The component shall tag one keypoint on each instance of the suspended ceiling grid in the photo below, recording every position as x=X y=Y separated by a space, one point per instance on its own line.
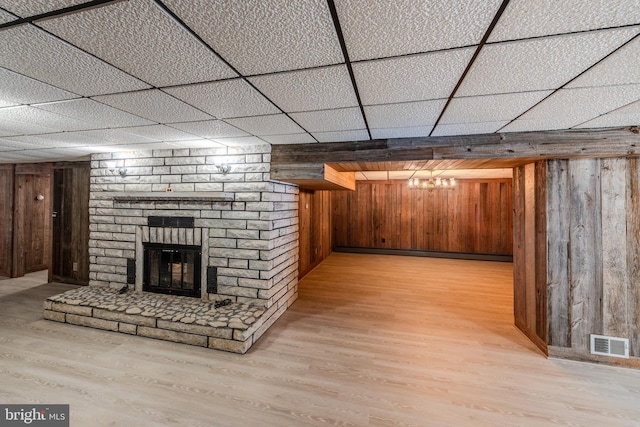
x=85 y=77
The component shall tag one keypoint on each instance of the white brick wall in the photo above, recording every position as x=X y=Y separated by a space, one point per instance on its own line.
x=252 y=239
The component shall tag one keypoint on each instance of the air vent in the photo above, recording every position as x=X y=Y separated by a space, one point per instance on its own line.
x=610 y=346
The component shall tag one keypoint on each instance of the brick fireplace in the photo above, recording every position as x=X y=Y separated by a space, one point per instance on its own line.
x=220 y=203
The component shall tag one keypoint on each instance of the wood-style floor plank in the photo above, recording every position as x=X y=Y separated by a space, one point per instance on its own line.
x=371 y=341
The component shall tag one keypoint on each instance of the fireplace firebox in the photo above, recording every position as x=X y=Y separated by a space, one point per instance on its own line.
x=172 y=269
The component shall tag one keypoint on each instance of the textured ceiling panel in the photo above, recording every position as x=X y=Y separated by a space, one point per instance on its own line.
x=112 y=136
x=382 y=28
x=29 y=51
x=534 y=18
x=539 y=64
x=298 y=138
x=232 y=98
x=341 y=136
x=266 y=36
x=6 y=17
x=413 y=78
x=468 y=128
x=408 y=132
x=628 y=115
x=317 y=89
x=198 y=143
x=209 y=129
x=489 y=108
x=60 y=139
x=159 y=133
x=276 y=124
x=240 y=141
x=94 y=113
x=138 y=37
x=330 y=120
x=408 y=114
x=570 y=107
x=154 y=105
x=622 y=67
x=29 y=120
x=36 y=7
x=17 y=89
x=12 y=144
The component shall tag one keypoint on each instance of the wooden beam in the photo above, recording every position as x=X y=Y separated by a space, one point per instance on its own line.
x=314 y=176
x=574 y=143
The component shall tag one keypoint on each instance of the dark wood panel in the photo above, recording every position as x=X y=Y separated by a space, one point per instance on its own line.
x=473 y=218
x=314 y=229
x=6 y=225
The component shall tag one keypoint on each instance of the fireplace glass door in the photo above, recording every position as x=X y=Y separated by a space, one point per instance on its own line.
x=172 y=269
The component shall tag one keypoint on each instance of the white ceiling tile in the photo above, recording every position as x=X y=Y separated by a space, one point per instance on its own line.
x=225 y=99
x=154 y=105
x=16 y=144
x=375 y=175
x=113 y=136
x=534 y=18
x=628 y=115
x=147 y=146
x=317 y=89
x=406 y=132
x=266 y=36
x=29 y=120
x=360 y=176
x=341 y=136
x=160 y=133
x=330 y=120
x=468 y=128
x=36 y=7
x=381 y=28
x=409 y=114
x=94 y=113
x=491 y=108
x=141 y=39
x=17 y=89
x=54 y=140
x=209 y=129
x=275 y=124
x=400 y=174
x=240 y=141
x=570 y=107
x=198 y=143
x=622 y=67
x=539 y=64
x=298 y=138
x=34 y=53
x=6 y=17
x=411 y=78
x=16 y=157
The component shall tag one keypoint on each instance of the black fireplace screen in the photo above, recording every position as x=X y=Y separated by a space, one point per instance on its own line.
x=172 y=269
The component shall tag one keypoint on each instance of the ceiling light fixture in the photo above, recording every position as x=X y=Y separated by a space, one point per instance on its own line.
x=432 y=183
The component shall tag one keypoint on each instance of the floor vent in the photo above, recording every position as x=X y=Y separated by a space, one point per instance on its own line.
x=610 y=346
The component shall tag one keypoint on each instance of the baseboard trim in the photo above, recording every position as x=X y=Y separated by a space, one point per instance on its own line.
x=429 y=254
x=583 y=356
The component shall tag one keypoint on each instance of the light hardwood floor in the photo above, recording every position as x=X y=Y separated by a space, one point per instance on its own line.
x=372 y=341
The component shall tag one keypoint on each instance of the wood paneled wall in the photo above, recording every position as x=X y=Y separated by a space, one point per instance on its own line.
x=314 y=229
x=476 y=217
x=70 y=259
x=593 y=223
x=6 y=224
x=530 y=252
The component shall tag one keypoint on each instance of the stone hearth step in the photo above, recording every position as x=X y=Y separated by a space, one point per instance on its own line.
x=167 y=317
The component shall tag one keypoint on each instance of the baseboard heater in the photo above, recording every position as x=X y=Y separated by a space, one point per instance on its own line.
x=610 y=346
x=430 y=254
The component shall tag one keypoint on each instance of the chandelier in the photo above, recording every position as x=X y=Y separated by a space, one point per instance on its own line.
x=432 y=183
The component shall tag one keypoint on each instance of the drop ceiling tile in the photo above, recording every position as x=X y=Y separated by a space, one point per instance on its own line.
x=411 y=26
x=159 y=133
x=113 y=136
x=342 y=136
x=54 y=140
x=617 y=69
x=34 y=53
x=225 y=99
x=534 y=18
x=240 y=141
x=306 y=90
x=154 y=105
x=17 y=89
x=360 y=176
x=36 y=7
x=628 y=115
x=539 y=64
x=490 y=108
x=266 y=36
x=411 y=78
x=276 y=124
x=15 y=144
x=297 y=138
x=94 y=113
x=147 y=146
x=30 y=120
x=468 y=128
x=400 y=174
x=409 y=114
x=16 y=157
x=209 y=129
x=406 y=132
x=141 y=39
x=375 y=175
x=330 y=120
x=198 y=143
x=6 y=17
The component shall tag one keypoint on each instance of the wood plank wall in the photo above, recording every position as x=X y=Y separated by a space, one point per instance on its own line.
x=315 y=242
x=593 y=226
x=530 y=252
x=476 y=217
x=70 y=259
x=6 y=224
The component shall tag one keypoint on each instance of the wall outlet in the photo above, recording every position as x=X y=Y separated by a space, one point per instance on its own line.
x=74 y=267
